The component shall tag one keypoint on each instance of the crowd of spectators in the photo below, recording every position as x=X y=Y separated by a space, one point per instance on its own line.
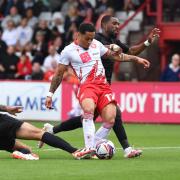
x=172 y=71
x=34 y=32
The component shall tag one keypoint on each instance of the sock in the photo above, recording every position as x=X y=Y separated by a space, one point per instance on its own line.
x=119 y=130
x=57 y=142
x=68 y=125
x=102 y=133
x=89 y=130
x=24 y=150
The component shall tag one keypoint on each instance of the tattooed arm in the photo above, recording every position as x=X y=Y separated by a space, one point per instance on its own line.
x=125 y=57
x=56 y=81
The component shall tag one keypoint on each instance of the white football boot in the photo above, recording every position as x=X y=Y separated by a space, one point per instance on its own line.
x=85 y=153
x=131 y=152
x=19 y=155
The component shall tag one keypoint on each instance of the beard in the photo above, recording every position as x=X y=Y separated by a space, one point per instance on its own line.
x=112 y=34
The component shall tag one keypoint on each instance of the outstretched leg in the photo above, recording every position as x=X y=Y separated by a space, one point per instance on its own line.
x=30 y=132
x=76 y=122
x=70 y=124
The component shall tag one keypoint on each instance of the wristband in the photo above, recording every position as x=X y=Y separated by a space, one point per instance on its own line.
x=50 y=94
x=147 y=43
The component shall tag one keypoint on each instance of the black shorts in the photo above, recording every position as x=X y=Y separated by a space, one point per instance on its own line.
x=8 y=128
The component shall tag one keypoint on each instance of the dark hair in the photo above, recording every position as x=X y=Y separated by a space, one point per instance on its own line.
x=86 y=27
x=105 y=19
x=23 y=53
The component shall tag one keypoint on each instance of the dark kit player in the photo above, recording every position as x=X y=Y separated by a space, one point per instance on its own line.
x=12 y=129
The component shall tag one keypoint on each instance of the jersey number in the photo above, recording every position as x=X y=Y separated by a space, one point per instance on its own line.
x=110 y=97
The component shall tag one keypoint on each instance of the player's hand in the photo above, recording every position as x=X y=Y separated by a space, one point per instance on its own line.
x=144 y=62
x=14 y=109
x=155 y=33
x=48 y=102
x=115 y=49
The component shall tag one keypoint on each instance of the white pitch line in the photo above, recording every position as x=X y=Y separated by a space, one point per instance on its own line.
x=143 y=148
x=157 y=148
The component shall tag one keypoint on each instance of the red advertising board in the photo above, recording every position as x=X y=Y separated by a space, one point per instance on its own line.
x=139 y=102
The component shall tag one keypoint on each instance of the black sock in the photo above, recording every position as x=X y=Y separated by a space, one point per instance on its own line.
x=24 y=150
x=119 y=130
x=68 y=125
x=57 y=142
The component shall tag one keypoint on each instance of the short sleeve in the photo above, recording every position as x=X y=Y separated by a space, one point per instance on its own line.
x=103 y=49
x=64 y=57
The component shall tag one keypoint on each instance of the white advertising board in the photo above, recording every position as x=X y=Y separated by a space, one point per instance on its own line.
x=31 y=95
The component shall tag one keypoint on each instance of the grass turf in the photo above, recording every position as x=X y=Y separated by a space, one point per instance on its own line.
x=160 y=159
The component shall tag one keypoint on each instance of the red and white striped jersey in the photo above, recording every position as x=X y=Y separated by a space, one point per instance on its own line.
x=86 y=64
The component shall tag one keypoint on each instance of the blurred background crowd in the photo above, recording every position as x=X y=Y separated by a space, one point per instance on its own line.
x=34 y=32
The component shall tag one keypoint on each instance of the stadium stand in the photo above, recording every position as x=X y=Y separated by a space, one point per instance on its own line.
x=52 y=20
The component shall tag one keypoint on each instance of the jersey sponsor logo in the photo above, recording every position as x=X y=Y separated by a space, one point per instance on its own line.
x=85 y=57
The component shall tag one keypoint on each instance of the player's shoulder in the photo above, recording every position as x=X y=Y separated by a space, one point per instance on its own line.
x=69 y=48
x=95 y=41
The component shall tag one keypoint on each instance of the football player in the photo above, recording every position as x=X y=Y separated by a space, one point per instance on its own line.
x=12 y=129
x=110 y=30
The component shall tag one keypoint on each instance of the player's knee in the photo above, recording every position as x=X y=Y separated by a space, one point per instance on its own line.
x=88 y=106
x=110 y=119
x=109 y=124
x=88 y=110
x=88 y=115
x=40 y=134
x=37 y=134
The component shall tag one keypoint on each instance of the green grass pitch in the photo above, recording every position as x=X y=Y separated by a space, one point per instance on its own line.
x=160 y=159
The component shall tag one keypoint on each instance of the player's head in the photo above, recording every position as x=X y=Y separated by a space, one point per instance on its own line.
x=110 y=25
x=86 y=33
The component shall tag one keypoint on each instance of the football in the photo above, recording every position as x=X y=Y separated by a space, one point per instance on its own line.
x=105 y=149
